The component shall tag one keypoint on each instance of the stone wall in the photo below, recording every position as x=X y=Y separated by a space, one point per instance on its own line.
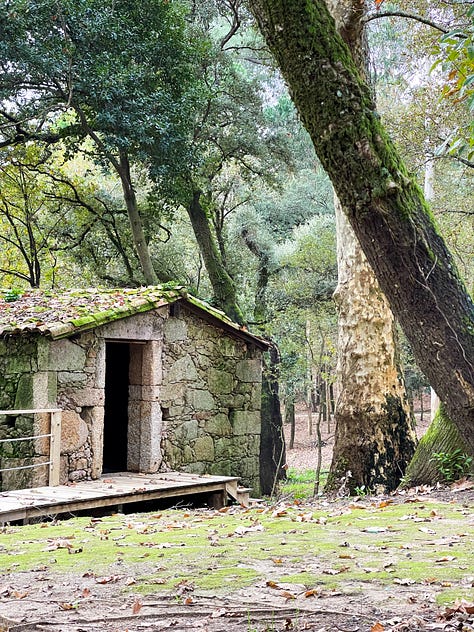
x=39 y=373
x=18 y=378
x=210 y=398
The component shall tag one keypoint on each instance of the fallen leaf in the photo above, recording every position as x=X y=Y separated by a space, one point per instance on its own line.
x=110 y=579
x=375 y=529
x=377 y=627
x=58 y=543
x=272 y=584
x=137 y=606
x=288 y=595
x=462 y=485
x=446 y=558
x=426 y=530
x=68 y=606
x=461 y=607
x=188 y=601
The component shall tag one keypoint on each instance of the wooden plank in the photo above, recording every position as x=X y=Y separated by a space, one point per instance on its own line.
x=115 y=490
x=31 y=411
x=55 y=448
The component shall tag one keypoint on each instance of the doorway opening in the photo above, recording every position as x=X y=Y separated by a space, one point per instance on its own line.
x=117 y=388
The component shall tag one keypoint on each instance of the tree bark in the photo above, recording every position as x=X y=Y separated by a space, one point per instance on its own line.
x=374 y=437
x=290 y=419
x=441 y=436
x=272 y=441
x=272 y=438
x=383 y=203
x=222 y=284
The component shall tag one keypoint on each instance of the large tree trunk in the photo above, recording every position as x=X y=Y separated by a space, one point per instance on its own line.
x=374 y=431
x=384 y=204
x=374 y=435
x=222 y=284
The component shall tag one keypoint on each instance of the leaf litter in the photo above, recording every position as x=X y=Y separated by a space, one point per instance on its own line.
x=351 y=566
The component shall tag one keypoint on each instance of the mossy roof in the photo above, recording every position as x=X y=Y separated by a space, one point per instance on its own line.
x=63 y=313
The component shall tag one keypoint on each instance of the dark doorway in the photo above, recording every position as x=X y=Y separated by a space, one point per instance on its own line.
x=117 y=366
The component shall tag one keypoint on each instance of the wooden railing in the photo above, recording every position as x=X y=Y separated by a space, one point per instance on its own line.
x=54 y=436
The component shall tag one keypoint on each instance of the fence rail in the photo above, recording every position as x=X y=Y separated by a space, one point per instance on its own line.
x=54 y=436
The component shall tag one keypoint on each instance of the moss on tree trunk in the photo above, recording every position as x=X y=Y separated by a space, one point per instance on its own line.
x=384 y=204
x=441 y=436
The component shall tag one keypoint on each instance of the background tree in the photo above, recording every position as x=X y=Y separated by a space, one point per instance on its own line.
x=78 y=79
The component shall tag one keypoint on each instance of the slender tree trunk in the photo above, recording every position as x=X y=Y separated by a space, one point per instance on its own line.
x=428 y=189
x=136 y=223
x=272 y=440
x=384 y=204
x=222 y=284
x=290 y=419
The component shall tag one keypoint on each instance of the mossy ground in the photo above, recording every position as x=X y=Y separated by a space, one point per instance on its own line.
x=422 y=543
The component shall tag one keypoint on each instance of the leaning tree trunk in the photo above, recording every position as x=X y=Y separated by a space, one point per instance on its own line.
x=384 y=204
x=374 y=431
x=222 y=284
x=374 y=438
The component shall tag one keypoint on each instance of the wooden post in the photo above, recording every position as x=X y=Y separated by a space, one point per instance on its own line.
x=55 y=448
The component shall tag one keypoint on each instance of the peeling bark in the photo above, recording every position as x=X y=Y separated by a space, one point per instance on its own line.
x=374 y=438
x=374 y=441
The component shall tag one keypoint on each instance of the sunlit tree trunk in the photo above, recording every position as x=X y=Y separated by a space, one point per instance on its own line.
x=374 y=437
x=374 y=432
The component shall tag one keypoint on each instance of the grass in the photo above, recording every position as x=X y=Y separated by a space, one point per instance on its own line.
x=299 y=484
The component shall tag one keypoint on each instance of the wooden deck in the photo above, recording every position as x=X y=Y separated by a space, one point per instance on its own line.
x=114 y=490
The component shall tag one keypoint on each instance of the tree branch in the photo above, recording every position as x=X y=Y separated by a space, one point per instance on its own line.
x=408 y=16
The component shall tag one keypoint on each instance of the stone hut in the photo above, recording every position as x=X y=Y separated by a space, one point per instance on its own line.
x=148 y=379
